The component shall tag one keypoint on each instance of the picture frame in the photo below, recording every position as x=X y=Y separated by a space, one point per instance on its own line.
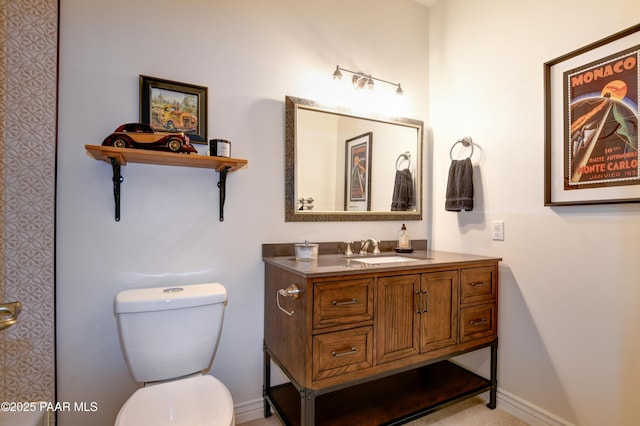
x=591 y=123
x=173 y=106
x=357 y=194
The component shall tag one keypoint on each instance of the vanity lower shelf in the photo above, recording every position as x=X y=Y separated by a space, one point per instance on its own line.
x=392 y=400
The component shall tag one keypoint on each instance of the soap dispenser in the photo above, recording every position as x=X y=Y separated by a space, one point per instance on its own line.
x=404 y=242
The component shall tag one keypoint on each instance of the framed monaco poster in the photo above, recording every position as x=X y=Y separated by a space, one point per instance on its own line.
x=591 y=123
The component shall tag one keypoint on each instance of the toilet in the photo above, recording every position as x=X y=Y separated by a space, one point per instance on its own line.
x=169 y=337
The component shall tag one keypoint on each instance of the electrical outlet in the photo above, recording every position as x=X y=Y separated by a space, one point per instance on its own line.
x=497 y=231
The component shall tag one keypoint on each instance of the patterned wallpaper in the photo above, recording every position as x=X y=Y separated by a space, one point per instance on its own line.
x=28 y=78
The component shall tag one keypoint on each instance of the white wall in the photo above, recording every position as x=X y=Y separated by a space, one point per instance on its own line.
x=317 y=179
x=570 y=279
x=250 y=54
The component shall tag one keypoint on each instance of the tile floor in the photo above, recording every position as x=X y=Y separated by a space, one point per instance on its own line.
x=472 y=412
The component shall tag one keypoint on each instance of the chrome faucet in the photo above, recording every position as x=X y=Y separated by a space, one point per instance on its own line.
x=364 y=245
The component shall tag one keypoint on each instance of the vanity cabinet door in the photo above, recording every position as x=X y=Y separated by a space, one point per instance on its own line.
x=438 y=310
x=397 y=317
x=416 y=313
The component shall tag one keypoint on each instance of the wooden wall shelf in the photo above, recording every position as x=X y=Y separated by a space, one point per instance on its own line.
x=130 y=155
x=121 y=156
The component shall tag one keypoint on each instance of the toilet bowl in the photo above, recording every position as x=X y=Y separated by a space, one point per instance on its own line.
x=169 y=336
x=200 y=400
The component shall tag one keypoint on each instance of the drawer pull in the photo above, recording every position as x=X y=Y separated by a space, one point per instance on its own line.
x=426 y=301
x=351 y=352
x=481 y=321
x=478 y=283
x=348 y=302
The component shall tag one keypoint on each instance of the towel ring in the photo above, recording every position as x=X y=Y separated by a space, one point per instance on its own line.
x=466 y=142
x=401 y=157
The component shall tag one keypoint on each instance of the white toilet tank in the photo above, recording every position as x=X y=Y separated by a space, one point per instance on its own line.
x=169 y=332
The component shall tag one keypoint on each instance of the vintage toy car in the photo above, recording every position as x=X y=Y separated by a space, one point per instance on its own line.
x=141 y=135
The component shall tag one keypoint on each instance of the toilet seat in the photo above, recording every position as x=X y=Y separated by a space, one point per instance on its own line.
x=195 y=401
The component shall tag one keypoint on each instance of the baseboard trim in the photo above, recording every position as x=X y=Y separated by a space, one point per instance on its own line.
x=249 y=410
x=530 y=413
x=512 y=404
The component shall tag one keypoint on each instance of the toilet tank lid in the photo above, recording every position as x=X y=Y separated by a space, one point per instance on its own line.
x=167 y=298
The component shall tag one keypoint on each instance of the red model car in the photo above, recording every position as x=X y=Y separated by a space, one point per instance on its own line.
x=141 y=135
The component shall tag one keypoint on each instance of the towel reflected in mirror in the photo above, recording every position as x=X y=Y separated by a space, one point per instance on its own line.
x=403 y=192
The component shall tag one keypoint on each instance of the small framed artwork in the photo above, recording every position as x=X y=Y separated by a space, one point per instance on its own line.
x=357 y=195
x=591 y=123
x=175 y=107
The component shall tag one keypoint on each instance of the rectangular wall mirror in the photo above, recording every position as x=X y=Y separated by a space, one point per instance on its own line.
x=344 y=166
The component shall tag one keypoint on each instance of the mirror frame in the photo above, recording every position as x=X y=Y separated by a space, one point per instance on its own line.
x=292 y=214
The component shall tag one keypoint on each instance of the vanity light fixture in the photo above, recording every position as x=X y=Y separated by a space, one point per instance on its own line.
x=361 y=80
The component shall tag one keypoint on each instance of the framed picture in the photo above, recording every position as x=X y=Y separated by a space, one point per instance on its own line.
x=171 y=106
x=591 y=123
x=357 y=196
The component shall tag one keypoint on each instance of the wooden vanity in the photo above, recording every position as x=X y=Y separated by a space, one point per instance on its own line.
x=368 y=344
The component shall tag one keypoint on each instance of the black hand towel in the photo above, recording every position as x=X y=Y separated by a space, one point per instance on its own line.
x=460 y=186
x=403 y=196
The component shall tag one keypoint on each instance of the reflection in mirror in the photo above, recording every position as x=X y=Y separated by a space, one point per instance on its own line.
x=342 y=166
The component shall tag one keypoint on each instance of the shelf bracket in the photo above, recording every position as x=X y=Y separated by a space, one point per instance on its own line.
x=222 y=185
x=117 y=180
x=121 y=156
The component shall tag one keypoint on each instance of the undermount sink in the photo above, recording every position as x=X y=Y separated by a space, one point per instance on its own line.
x=384 y=259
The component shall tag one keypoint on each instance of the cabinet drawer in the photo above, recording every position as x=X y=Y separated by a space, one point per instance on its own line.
x=342 y=302
x=477 y=322
x=478 y=284
x=342 y=352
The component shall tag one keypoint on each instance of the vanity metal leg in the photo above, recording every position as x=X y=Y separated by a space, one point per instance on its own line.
x=266 y=382
x=494 y=375
x=308 y=407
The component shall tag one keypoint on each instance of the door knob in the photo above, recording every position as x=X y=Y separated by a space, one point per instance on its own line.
x=9 y=314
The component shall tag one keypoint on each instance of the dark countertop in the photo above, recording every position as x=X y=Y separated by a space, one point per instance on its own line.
x=338 y=264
